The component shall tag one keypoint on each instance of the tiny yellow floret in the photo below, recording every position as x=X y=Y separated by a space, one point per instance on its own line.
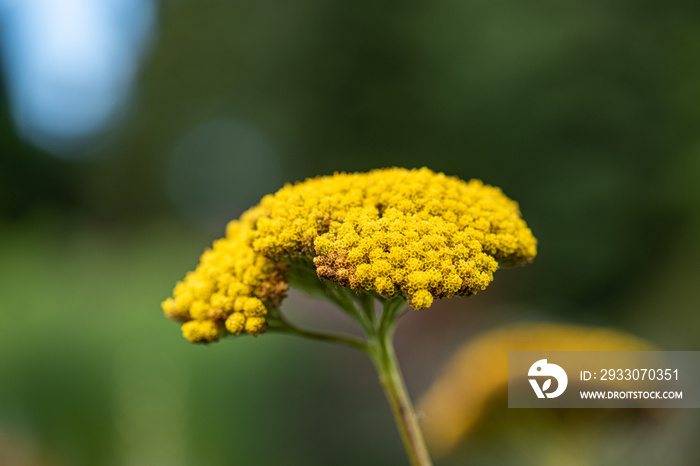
x=201 y=331
x=255 y=325
x=235 y=323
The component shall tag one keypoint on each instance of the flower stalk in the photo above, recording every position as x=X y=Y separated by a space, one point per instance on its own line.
x=283 y=326
x=379 y=347
x=384 y=358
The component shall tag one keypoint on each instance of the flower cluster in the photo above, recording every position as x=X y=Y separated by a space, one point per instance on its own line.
x=232 y=288
x=417 y=233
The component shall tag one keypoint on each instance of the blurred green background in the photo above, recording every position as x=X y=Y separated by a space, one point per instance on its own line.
x=585 y=112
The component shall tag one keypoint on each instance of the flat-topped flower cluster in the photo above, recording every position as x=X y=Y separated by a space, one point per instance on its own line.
x=416 y=233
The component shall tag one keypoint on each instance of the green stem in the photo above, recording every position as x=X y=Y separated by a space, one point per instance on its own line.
x=284 y=326
x=381 y=350
x=384 y=358
x=390 y=309
x=345 y=299
x=366 y=302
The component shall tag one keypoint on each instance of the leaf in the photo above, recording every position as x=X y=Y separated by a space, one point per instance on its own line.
x=546 y=385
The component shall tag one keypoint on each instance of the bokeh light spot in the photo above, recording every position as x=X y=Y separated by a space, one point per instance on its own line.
x=218 y=170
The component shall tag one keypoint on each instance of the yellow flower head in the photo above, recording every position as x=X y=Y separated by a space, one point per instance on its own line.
x=416 y=233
